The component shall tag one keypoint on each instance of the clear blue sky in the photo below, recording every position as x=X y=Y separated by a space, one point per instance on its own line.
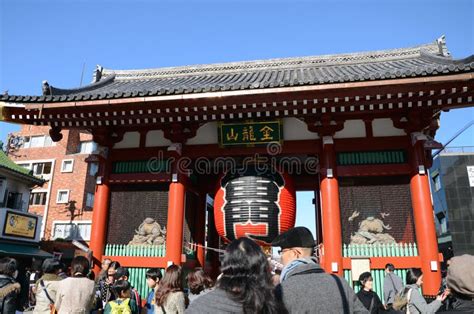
x=51 y=40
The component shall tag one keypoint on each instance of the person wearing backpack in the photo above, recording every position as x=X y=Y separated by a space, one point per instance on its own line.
x=122 y=304
x=415 y=302
x=392 y=284
x=122 y=273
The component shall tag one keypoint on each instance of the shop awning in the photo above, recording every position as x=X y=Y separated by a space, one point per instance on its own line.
x=13 y=250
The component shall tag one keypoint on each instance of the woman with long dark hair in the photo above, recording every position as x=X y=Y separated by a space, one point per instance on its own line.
x=169 y=297
x=416 y=301
x=245 y=285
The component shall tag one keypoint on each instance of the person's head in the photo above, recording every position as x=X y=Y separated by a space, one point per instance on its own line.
x=366 y=281
x=121 y=274
x=198 y=281
x=153 y=277
x=295 y=243
x=105 y=264
x=8 y=267
x=246 y=277
x=112 y=270
x=62 y=268
x=414 y=276
x=172 y=281
x=121 y=289
x=460 y=277
x=51 y=266
x=79 y=266
x=389 y=268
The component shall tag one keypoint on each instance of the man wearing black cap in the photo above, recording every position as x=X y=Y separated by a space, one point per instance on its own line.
x=304 y=286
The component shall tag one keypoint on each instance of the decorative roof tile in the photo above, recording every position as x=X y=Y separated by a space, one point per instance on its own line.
x=8 y=164
x=430 y=59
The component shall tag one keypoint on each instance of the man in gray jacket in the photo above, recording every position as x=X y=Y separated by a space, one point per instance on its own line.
x=304 y=286
x=392 y=284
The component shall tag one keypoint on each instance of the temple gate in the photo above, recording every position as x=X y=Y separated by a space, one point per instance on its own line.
x=360 y=127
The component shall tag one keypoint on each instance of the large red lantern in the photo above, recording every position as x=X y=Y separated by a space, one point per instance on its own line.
x=254 y=203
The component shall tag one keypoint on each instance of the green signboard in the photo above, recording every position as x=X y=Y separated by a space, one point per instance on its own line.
x=250 y=133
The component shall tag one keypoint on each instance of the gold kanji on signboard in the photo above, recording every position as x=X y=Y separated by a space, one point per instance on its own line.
x=266 y=130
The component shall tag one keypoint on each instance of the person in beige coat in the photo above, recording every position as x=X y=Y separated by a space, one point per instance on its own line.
x=46 y=286
x=76 y=294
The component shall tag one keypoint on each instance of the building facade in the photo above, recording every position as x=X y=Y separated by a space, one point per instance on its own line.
x=19 y=229
x=66 y=199
x=452 y=187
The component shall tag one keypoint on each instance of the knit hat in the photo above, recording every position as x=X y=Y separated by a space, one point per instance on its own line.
x=295 y=237
x=460 y=276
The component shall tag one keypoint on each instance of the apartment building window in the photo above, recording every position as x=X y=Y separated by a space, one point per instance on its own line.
x=67 y=165
x=93 y=168
x=14 y=200
x=76 y=230
x=42 y=168
x=436 y=182
x=87 y=147
x=89 y=200
x=37 y=141
x=63 y=197
x=38 y=198
x=26 y=166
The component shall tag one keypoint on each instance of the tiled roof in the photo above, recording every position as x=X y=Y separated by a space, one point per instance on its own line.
x=425 y=60
x=7 y=163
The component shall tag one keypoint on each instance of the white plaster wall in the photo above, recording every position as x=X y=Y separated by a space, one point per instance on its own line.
x=130 y=140
x=17 y=186
x=206 y=134
x=384 y=127
x=352 y=129
x=295 y=129
x=156 y=138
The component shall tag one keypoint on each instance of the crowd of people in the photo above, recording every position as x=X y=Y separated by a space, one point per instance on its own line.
x=246 y=285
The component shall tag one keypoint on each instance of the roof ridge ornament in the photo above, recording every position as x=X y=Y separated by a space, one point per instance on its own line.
x=443 y=49
x=97 y=73
x=46 y=88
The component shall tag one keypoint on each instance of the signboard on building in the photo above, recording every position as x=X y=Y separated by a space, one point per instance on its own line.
x=470 y=175
x=250 y=133
x=20 y=226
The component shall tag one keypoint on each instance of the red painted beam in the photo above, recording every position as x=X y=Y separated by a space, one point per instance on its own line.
x=398 y=261
x=140 y=261
x=380 y=262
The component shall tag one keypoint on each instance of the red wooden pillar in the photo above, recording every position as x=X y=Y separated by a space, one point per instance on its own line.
x=201 y=229
x=330 y=211
x=174 y=233
x=424 y=220
x=100 y=215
